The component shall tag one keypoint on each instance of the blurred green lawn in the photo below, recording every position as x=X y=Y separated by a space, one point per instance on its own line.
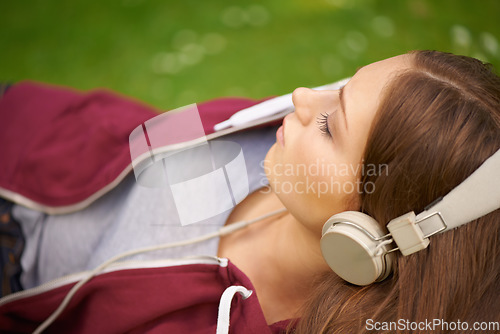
x=170 y=53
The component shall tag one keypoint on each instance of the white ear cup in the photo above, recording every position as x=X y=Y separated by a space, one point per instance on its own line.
x=350 y=248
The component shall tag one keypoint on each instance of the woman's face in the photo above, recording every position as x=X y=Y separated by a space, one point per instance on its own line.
x=316 y=164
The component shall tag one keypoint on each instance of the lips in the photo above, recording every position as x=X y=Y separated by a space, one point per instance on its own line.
x=280 y=133
x=280 y=138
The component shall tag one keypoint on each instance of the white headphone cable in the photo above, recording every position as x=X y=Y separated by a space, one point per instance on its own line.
x=225 y=230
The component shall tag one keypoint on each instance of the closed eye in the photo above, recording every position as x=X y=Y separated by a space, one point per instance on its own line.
x=322 y=121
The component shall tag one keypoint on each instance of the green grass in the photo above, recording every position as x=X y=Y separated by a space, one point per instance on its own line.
x=170 y=53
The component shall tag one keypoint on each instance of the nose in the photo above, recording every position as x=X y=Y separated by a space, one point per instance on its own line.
x=309 y=103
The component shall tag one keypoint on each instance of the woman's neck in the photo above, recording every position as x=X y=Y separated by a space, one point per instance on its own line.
x=281 y=257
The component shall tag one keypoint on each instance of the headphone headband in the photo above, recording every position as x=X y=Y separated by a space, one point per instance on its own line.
x=475 y=197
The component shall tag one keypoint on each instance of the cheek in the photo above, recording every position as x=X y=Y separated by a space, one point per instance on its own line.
x=311 y=183
x=311 y=193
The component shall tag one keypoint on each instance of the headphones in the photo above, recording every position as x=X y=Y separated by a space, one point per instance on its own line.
x=357 y=249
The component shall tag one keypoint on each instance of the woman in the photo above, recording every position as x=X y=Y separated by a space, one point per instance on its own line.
x=431 y=119
x=437 y=121
x=400 y=134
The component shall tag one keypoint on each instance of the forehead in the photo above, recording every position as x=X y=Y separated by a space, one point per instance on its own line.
x=381 y=71
x=362 y=96
x=367 y=84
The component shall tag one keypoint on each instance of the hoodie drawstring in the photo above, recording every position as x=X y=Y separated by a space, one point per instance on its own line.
x=225 y=306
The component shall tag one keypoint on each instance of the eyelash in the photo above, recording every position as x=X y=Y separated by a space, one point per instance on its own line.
x=322 y=121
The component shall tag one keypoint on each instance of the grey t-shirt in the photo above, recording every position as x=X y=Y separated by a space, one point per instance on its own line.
x=128 y=217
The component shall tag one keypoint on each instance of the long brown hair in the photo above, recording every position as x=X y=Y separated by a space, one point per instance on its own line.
x=437 y=123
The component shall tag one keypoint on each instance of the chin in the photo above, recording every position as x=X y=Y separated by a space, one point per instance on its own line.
x=269 y=162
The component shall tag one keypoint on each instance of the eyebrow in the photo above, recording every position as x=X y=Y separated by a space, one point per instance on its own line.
x=342 y=105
